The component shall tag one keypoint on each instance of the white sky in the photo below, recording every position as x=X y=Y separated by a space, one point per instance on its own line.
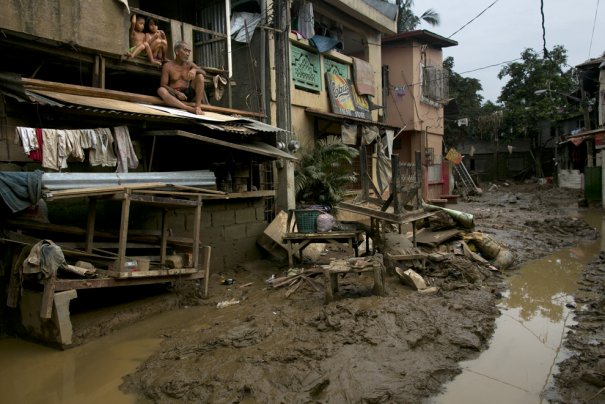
x=502 y=32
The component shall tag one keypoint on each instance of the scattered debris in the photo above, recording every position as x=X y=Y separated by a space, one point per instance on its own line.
x=226 y=303
x=411 y=278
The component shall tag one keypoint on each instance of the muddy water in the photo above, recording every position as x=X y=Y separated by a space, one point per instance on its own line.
x=522 y=356
x=92 y=373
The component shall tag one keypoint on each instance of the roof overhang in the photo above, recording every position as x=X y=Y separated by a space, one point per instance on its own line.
x=342 y=118
x=422 y=36
x=255 y=147
x=378 y=18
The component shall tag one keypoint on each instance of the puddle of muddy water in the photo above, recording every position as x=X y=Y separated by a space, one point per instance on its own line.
x=523 y=353
x=91 y=373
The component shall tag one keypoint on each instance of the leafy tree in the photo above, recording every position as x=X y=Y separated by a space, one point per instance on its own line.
x=408 y=21
x=537 y=91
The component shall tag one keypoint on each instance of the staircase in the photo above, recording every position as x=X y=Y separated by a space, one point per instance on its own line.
x=465 y=180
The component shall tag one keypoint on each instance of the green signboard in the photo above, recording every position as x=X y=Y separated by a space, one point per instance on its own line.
x=306 y=70
x=330 y=66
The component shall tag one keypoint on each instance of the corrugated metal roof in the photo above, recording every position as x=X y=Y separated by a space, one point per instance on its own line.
x=211 y=120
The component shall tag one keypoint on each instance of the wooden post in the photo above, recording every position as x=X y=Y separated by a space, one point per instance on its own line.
x=419 y=179
x=395 y=183
x=124 y=230
x=196 y=231
x=363 y=163
x=379 y=281
x=206 y=251
x=90 y=223
x=164 y=237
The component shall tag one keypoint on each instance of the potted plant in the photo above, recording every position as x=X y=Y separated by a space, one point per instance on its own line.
x=322 y=176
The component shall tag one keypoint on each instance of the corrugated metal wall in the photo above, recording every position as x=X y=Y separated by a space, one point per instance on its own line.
x=211 y=50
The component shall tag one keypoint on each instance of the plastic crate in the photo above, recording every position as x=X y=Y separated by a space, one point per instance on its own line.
x=306 y=220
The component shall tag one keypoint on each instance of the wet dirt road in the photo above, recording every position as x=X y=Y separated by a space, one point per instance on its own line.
x=536 y=312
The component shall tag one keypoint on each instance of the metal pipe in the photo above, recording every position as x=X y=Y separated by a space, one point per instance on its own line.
x=59 y=181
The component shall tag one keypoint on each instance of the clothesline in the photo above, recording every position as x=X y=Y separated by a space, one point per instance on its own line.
x=52 y=147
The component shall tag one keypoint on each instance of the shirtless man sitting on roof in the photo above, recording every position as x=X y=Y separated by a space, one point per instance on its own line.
x=182 y=81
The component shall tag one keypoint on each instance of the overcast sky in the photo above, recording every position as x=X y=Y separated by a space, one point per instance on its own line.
x=507 y=28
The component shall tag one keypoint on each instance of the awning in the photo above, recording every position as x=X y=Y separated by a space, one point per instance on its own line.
x=256 y=147
x=578 y=138
x=342 y=118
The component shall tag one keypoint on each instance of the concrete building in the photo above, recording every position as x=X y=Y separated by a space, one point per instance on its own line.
x=415 y=91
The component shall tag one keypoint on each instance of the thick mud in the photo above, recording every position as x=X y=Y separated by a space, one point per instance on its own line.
x=581 y=377
x=360 y=348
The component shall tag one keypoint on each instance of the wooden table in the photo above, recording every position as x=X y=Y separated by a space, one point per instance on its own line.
x=369 y=264
x=297 y=242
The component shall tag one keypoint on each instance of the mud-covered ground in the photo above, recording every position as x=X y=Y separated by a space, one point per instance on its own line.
x=581 y=377
x=361 y=348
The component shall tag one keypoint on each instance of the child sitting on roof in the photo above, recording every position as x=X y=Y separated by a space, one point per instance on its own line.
x=156 y=38
x=138 y=40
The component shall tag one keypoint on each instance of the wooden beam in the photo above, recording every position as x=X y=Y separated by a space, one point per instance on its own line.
x=35 y=84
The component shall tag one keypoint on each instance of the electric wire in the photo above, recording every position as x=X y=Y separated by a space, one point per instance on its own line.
x=594 y=24
x=473 y=19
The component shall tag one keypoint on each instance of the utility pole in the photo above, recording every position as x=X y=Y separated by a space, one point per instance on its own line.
x=285 y=172
x=589 y=142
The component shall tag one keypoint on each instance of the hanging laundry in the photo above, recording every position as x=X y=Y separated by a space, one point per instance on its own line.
x=349 y=133
x=88 y=138
x=36 y=155
x=306 y=20
x=28 y=139
x=73 y=144
x=50 y=156
x=62 y=152
x=102 y=154
x=126 y=155
x=369 y=134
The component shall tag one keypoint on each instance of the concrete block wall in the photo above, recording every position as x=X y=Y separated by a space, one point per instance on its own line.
x=231 y=228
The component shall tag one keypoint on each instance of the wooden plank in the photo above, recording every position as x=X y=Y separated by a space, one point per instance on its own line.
x=67 y=284
x=162 y=201
x=195 y=189
x=107 y=189
x=150 y=273
x=434 y=238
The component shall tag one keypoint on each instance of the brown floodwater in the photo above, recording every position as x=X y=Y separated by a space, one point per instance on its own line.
x=91 y=373
x=519 y=364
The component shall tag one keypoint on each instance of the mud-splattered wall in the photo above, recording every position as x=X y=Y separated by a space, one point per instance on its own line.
x=98 y=25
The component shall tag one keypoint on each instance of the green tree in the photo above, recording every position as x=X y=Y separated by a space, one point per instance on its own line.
x=465 y=106
x=537 y=91
x=408 y=21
